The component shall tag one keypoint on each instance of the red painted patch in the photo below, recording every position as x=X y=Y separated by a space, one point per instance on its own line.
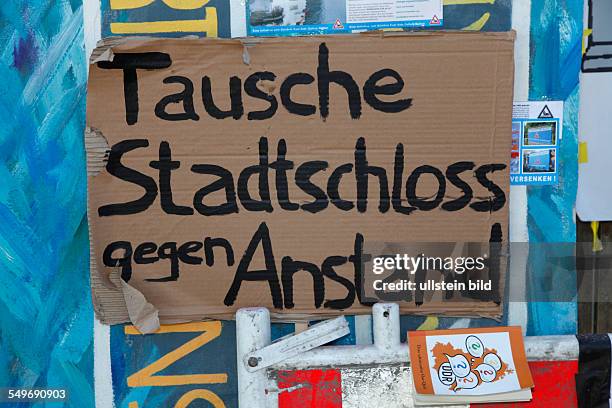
x=320 y=389
x=555 y=386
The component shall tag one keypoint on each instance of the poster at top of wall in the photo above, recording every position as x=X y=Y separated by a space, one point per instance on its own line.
x=299 y=17
x=228 y=18
x=256 y=178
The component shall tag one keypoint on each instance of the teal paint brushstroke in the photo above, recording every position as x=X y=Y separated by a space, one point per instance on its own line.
x=46 y=318
x=556 y=38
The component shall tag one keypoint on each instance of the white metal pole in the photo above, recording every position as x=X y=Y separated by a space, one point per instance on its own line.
x=386 y=326
x=252 y=333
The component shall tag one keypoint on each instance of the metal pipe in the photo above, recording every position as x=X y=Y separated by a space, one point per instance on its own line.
x=386 y=326
x=537 y=348
x=252 y=333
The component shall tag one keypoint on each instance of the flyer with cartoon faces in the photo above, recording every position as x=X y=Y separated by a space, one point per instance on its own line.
x=469 y=361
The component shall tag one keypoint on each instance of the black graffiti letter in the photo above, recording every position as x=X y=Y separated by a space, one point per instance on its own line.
x=325 y=77
x=285 y=92
x=370 y=90
x=237 y=109
x=499 y=199
x=411 y=186
x=185 y=96
x=362 y=170
x=165 y=165
x=251 y=89
x=122 y=172
x=129 y=63
x=269 y=274
x=289 y=268
x=452 y=174
x=225 y=182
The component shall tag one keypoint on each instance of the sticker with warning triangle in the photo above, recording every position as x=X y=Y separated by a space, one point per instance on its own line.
x=545 y=113
x=537 y=133
x=341 y=17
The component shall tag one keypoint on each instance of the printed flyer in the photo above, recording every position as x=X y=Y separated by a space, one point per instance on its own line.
x=302 y=17
x=471 y=362
x=537 y=131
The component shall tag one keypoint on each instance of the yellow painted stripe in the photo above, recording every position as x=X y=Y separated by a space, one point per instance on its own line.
x=146 y=377
x=175 y=4
x=174 y=328
x=186 y=4
x=583 y=153
x=585 y=35
x=205 y=395
x=478 y=24
x=597 y=246
x=431 y=323
x=129 y=4
x=174 y=380
x=207 y=25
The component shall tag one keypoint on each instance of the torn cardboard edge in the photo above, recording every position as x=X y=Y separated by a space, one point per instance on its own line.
x=130 y=305
x=104 y=47
x=97 y=149
x=143 y=315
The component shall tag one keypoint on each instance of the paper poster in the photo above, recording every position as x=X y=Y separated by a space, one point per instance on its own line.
x=537 y=130
x=299 y=17
x=595 y=122
x=223 y=18
x=469 y=361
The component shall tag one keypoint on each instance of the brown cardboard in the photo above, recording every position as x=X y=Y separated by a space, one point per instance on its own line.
x=460 y=86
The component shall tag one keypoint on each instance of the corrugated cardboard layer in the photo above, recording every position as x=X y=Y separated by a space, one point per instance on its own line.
x=460 y=85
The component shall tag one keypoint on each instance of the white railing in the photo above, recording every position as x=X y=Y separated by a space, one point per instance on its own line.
x=257 y=390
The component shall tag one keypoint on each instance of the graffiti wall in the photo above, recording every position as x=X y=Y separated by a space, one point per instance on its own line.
x=45 y=308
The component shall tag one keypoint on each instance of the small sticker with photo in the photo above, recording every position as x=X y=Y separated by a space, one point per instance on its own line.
x=540 y=134
x=539 y=160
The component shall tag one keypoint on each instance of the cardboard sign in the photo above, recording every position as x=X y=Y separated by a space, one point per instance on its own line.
x=224 y=174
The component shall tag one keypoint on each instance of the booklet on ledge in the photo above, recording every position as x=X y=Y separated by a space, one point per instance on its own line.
x=469 y=365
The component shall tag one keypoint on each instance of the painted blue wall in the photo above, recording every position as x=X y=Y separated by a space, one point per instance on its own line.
x=45 y=307
x=556 y=43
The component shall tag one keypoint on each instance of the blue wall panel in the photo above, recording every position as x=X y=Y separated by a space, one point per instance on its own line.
x=45 y=307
